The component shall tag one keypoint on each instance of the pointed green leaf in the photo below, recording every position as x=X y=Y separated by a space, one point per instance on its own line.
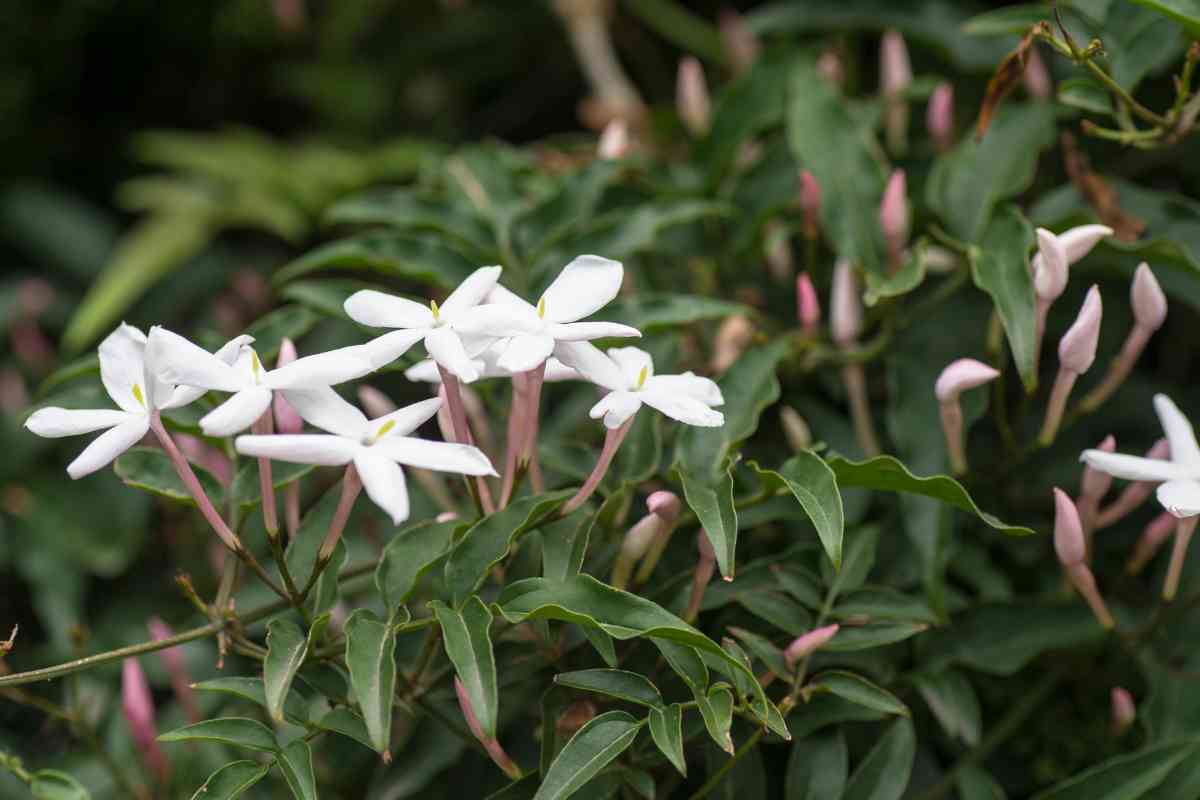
x=1185 y=12
x=344 y=721
x=469 y=646
x=232 y=780
x=253 y=690
x=247 y=489
x=716 y=709
x=817 y=768
x=999 y=266
x=666 y=728
x=237 y=731
x=711 y=498
x=858 y=689
x=884 y=773
x=618 y=683
x=1126 y=777
x=53 y=784
x=953 y=702
x=371 y=657
x=864 y=637
x=408 y=556
x=815 y=487
x=295 y=762
x=590 y=750
x=418 y=257
x=904 y=280
x=286 y=650
x=564 y=545
x=150 y=469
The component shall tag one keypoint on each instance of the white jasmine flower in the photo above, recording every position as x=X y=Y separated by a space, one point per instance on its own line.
x=427 y=371
x=129 y=377
x=438 y=326
x=179 y=361
x=376 y=447
x=1179 y=491
x=529 y=335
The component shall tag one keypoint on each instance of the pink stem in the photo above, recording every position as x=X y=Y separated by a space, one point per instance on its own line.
x=1128 y=501
x=265 y=426
x=534 y=380
x=462 y=431
x=1085 y=583
x=700 y=580
x=952 y=426
x=860 y=409
x=291 y=508
x=1183 y=537
x=1057 y=405
x=351 y=486
x=612 y=440
x=1040 y=309
x=1118 y=370
x=516 y=436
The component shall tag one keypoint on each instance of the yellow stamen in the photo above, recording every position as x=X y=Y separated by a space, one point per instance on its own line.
x=379 y=434
x=542 y=308
x=137 y=393
x=255 y=364
x=642 y=377
x=433 y=306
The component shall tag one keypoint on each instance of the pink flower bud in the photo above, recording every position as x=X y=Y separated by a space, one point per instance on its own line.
x=638 y=538
x=1077 y=349
x=691 y=96
x=614 y=140
x=808 y=644
x=960 y=375
x=172 y=659
x=740 y=43
x=1050 y=268
x=810 y=202
x=939 y=116
x=1095 y=484
x=808 y=307
x=137 y=704
x=1147 y=298
x=446 y=516
x=1154 y=535
x=733 y=337
x=1068 y=531
x=845 y=305
x=1123 y=710
x=895 y=70
x=1036 y=78
x=375 y=402
x=286 y=418
x=35 y=296
x=893 y=210
x=1080 y=240
x=664 y=504
x=795 y=429
x=830 y=67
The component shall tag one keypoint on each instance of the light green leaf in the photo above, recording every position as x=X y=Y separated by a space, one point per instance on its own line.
x=1185 y=12
x=287 y=648
x=371 y=657
x=232 y=780
x=53 y=784
x=884 y=773
x=295 y=762
x=150 y=469
x=1017 y=19
x=469 y=646
x=404 y=210
x=999 y=267
x=815 y=487
x=247 y=489
x=651 y=312
x=817 y=768
x=408 y=556
x=711 y=498
x=592 y=748
x=252 y=689
x=271 y=329
x=617 y=683
x=952 y=700
x=421 y=258
x=858 y=689
x=666 y=728
x=237 y=731
x=1126 y=777
x=908 y=277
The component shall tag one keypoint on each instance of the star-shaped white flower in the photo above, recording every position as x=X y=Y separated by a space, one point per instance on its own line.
x=438 y=326
x=488 y=366
x=529 y=335
x=126 y=369
x=179 y=361
x=1179 y=491
x=629 y=375
x=376 y=447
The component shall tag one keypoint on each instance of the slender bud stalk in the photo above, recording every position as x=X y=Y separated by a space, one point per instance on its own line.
x=534 y=380
x=351 y=486
x=462 y=432
x=860 y=409
x=1153 y=537
x=516 y=436
x=1184 y=529
x=612 y=441
x=1150 y=310
x=264 y=426
x=705 y=567
x=810 y=204
x=1076 y=353
x=1084 y=581
x=1123 y=710
x=1136 y=493
x=956 y=378
x=138 y=707
x=1071 y=549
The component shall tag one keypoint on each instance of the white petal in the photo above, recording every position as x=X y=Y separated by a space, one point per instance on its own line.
x=55 y=422
x=471 y=291
x=384 y=482
x=586 y=331
x=683 y=408
x=703 y=389
x=108 y=445
x=499 y=319
x=425 y=372
x=1079 y=241
x=379 y=310
x=1181 y=498
x=632 y=360
x=122 y=364
x=1133 y=468
x=300 y=448
x=178 y=361
x=237 y=413
x=1179 y=432
x=326 y=409
x=322 y=369
x=499 y=294
x=616 y=408
x=408 y=419
x=523 y=353
x=476 y=344
x=447 y=350
x=558 y=371
x=592 y=364
x=441 y=456
x=585 y=286
x=385 y=349
x=179 y=396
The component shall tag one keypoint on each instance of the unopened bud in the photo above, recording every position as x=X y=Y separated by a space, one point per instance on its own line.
x=1123 y=710
x=286 y=418
x=664 y=504
x=172 y=659
x=1036 y=77
x=810 y=203
x=635 y=544
x=1095 y=483
x=777 y=249
x=961 y=375
x=733 y=337
x=1080 y=240
x=830 y=68
x=939 y=117
x=1154 y=535
x=1050 y=267
x=808 y=307
x=941 y=260
x=845 y=305
x=740 y=43
x=895 y=70
x=374 y=402
x=614 y=141
x=691 y=97
x=1147 y=298
x=446 y=516
x=1068 y=531
x=795 y=429
x=1077 y=349
x=35 y=296
x=893 y=211
x=809 y=643
x=137 y=704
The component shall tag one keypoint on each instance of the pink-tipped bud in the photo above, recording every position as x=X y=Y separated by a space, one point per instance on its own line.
x=740 y=43
x=172 y=659
x=893 y=210
x=375 y=402
x=895 y=70
x=1123 y=710
x=614 y=140
x=638 y=538
x=808 y=644
x=1080 y=240
x=733 y=337
x=808 y=307
x=286 y=418
x=1050 y=267
x=845 y=305
x=1147 y=298
x=1160 y=450
x=939 y=116
x=137 y=704
x=446 y=516
x=1036 y=77
x=795 y=429
x=961 y=375
x=1068 y=531
x=810 y=202
x=831 y=68
x=1077 y=348
x=665 y=505
x=691 y=96
x=1095 y=484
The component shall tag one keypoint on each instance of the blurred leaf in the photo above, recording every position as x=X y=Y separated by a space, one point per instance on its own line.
x=564 y=546
x=817 y=768
x=908 y=277
x=763 y=650
x=748 y=105
x=666 y=728
x=827 y=709
x=999 y=267
x=711 y=498
x=246 y=487
x=1138 y=41
x=952 y=700
x=1085 y=94
x=590 y=750
x=254 y=691
x=1185 y=12
x=371 y=657
x=295 y=762
x=656 y=311
x=569 y=207
x=858 y=689
x=618 y=683
x=777 y=609
x=884 y=773
x=53 y=784
x=815 y=487
x=880 y=603
x=641 y=451
x=421 y=258
x=344 y=721
x=57 y=228
x=232 y=780
x=150 y=469
x=1125 y=777
x=405 y=209
x=287 y=647
x=851 y=638
x=408 y=556
x=270 y=329
x=236 y=731
x=469 y=646
x=325 y=296
x=1015 y=19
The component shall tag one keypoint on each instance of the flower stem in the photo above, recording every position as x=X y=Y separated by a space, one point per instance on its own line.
x=516 y=436
x=860 y=410
x=351 y=486
x=1118 y=370
x=533 y=383
x=952 y=426
x=265 y=426
x=1058 y=403
x=462 y=431
x=612 y=440
x=1183 y=537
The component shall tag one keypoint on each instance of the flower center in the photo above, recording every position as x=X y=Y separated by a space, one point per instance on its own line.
x=137 y=394
x=642 y=377
x=255 y=364
x=437 y=314
x=379 y=434
x=542 y=308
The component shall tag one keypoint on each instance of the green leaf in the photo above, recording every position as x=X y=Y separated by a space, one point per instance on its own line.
x=711 y=498
x=884 y=773
x=879 y=604
x=716 y=709
x=618 y=683
x=817 y=768
x=325 y=296
x=53 y=784
x=1126 y=777
x=344 y=721
x=253 y=690
x=237 y=731
x=746 y=106
x=966 y=184
x=590 y=750
x=909 y=276
x=641 y=451
x=999 y=267
x=827 y=709
x=246 y=487
x=884 y=473
x=651 y=312
x=778 y=609
x=858 y=563
x=408 y=556
x=563 y=212
x=858 y=689
x=864 y=637
x=488 y=541
x=1017 y=19
x=469 y=646
x=371 y=657
x=287 y=647
x=564 y=546
x=974 y=783
x=271 y=329
x=295 y=762
x=1185 y=12
x=952 y=700
x=1085 y=94
x=762 y=649
x=815 y=487
x=666 y=728
x=421 y=258
x=150 y=469
x=232 y=780
x=843 y=156
x=403 y=209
